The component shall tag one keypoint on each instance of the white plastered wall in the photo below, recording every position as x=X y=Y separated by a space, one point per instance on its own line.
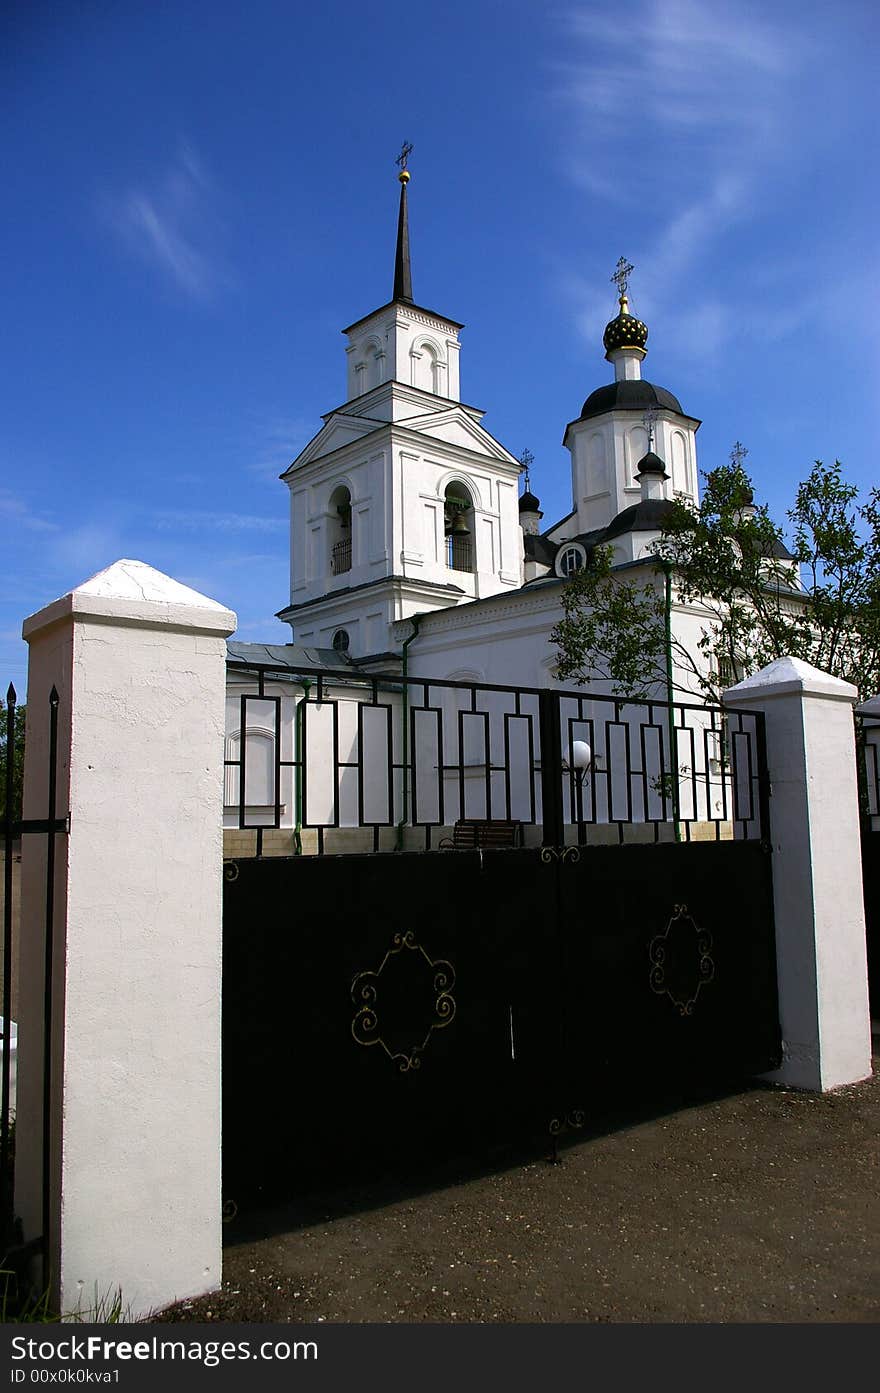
x=817 y=872
x=605 y=451
x=139 y=663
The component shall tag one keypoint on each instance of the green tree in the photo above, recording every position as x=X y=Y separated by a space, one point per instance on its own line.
x=612 y=629
x=727 y=559
x=17 y=763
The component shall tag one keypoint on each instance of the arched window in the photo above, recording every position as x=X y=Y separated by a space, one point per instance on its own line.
x=571 y=558
x=425 y=365
x=681 y=474
x=339 y=531
x=259 y=769
x=375 y=361
x=458 y=527
x=637 y=447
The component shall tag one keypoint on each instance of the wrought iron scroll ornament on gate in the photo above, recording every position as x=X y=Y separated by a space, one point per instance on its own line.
x=681 y=960
x=405 y=974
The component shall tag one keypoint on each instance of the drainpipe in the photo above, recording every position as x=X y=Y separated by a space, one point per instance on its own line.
x=298 y=717
x=415 y=620
x=670 y=713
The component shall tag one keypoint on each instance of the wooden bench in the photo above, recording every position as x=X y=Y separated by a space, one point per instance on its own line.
x=472 y=834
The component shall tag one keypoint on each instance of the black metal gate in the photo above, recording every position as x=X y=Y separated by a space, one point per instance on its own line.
x=868 y=748
x=381 y=1010
x=13 y=826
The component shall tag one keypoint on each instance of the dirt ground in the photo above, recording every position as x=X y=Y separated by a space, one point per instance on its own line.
x=762 y=1205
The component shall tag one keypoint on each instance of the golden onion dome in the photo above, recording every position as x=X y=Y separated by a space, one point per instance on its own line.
x=625 y=331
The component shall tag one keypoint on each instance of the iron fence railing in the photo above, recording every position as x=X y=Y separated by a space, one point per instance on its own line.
x=14 y=826
x=868 y=754
x=459 y=553
x=318 y=750
x=340 y=557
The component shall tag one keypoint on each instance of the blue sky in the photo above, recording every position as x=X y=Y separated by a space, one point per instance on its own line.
x=201 y=197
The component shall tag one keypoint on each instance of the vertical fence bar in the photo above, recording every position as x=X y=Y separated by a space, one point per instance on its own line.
x=6 y=1199
x=49 y=964
x=242 y=756
x=763 y=780
x=550 y=726
x=261 y=692
x=621 y=790
x=277 y=762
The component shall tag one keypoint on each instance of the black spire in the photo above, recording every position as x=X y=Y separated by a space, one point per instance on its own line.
x=402 y=271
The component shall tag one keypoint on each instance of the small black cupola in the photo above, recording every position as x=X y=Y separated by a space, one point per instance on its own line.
x=529 y=505
x=652 y=464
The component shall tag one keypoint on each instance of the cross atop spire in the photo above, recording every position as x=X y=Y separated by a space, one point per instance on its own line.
x=622 y=273
x=402 y=270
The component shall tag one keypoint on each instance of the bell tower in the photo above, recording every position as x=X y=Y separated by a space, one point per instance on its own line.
x=402 y=503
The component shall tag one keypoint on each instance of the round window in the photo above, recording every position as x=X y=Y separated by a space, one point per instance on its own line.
x=341 y=640
x=570 y=559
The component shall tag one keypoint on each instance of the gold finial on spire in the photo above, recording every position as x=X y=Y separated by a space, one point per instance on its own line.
x=406 y=150
x=622 y=273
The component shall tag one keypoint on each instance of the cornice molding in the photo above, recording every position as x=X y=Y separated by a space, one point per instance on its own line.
x=410 y=585
x=490 y=607
x=385 y=391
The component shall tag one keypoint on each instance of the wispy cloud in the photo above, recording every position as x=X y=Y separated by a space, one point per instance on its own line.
x=187 y=520
x=168 y=222
x=693 y=120
x=707 y=74
x=21 y=514
x=278 y=440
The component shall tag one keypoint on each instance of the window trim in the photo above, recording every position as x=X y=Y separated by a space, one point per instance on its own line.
x=566 y=549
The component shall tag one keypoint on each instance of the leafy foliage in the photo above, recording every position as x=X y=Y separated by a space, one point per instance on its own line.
x=729 y=562
x=611 y=630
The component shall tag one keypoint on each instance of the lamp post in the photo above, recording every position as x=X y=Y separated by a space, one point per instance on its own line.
x=578 y=763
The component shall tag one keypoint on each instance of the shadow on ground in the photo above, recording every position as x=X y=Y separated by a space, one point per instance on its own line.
x=755 y=1205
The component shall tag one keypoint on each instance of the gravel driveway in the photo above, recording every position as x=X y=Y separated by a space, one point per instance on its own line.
x=758 y=1206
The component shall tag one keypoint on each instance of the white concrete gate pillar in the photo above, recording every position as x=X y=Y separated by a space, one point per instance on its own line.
x=817 y=872
x=134 y=1203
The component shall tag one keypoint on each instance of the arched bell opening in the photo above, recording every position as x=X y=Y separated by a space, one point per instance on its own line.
x=458 y=526
x=340 y=531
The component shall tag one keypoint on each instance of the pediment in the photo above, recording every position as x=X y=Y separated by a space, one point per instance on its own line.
x=455 y=427
x=340 y=430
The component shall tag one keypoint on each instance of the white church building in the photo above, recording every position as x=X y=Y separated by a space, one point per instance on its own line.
x=412 y=549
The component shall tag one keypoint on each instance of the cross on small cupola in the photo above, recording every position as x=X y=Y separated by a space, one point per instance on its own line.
x=526 y=459
x=529 y=506
x=744 y=498
x=651 y=470
x=739 y=455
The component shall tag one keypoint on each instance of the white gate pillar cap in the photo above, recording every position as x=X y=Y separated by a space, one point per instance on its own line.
x=131 y=592
x=785 y=676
